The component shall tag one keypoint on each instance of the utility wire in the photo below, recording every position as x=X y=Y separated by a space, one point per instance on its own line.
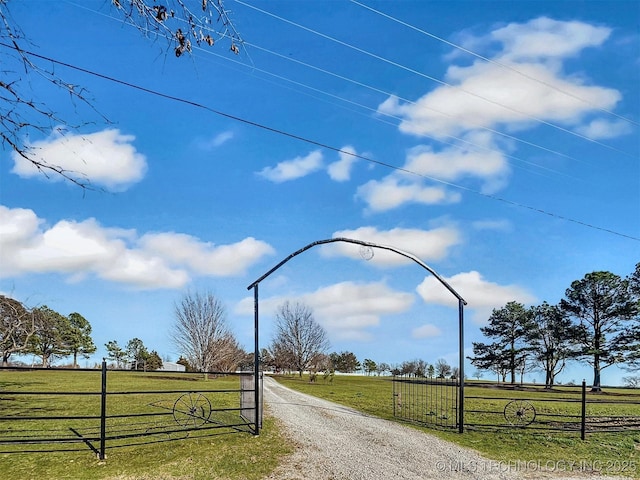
x=311 y=141
x=375 y=89
x=433 y=79
x=351 y=102
x=494 y=62
x=372 y=88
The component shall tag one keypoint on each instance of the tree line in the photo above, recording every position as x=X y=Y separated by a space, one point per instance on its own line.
x=42 y=332
x=597 y=321
x=202 y=336
x=300 y=344
x=133 y=355
x=200 y=333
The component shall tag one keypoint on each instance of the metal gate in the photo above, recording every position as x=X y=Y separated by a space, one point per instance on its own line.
x=455 y=412
x=248 y=399
x=36 y=416
x=428 y=401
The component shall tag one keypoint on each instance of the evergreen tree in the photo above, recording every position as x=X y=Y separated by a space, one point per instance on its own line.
x=552 y=338
x=154 y=362
x=50 y=340
x=115 y=352
x=508 y=328
x=602 y=307
x=78 y=338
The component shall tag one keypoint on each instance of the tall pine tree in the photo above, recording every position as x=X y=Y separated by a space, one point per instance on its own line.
x=508 y=328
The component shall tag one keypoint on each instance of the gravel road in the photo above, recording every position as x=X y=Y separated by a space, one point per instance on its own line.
x=337 y=443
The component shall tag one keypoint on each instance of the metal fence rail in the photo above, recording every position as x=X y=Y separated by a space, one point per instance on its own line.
x=430 y=401
x=42 y=420
x=563 y=408
x=490 y=406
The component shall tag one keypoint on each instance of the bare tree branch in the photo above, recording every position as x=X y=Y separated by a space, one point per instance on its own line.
x=299 y=338
x=202 y=335
x=17 y=326
x=182 y=22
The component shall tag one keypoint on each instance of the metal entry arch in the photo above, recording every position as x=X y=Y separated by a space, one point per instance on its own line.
x=461 y=304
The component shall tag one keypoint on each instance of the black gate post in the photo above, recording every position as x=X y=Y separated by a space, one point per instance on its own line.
x=103 y=411
x=461 y=367
x=461 y=303
x=256 y=363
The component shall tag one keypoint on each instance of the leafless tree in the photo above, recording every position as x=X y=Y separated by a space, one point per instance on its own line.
x=228 y=354
x=202 y=335
x=17 y=326
x=22 y=112
x=299 y=336
x=183 y=23
x=279 y=358
x=443 y=369
x=23 y=94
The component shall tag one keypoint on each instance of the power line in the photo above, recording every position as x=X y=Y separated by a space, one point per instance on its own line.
x=351 y=102
x=375 y=89
x=354 y=82
x=428 y=77
x=311 y=141
x=494 y=62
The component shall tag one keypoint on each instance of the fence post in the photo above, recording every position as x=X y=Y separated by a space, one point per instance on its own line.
x=460 y=418
x=583 y=420
x=103 y=411
x=256 y=362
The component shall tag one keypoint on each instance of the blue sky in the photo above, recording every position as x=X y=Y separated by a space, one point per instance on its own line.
x=496 y=141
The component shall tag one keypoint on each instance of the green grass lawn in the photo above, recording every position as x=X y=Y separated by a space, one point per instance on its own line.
x=229 y=454
x=222 y=453
x=609 y=453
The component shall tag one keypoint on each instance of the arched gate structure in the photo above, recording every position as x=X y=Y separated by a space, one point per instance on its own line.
x=365 y=245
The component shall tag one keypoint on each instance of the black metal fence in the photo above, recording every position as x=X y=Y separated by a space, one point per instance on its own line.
x=562 y=408
x=42 y=412
x=491 y=406
x=429 y=401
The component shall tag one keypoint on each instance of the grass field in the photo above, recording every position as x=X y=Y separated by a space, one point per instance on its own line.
x=222 y=453
x=229 y=454
x=606 y=453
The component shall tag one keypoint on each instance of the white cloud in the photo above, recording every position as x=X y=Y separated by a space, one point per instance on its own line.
x=292 y=169
x=524 y=85
x=340 y=171
x=79 y=249
x=601 y=129
x=490 y=224
x=18 y=226
x=427 y=245
x=426 y=331
x=482 y=296
x=105 y=158
x=141 y=270
x=216 y=141
x=346 y=310
x=205 y=258
x=455 y=163
x=485 y=95
x=394 y=191
x=543 y=38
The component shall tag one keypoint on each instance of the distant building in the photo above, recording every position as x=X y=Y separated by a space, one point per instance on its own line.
x=171 y=367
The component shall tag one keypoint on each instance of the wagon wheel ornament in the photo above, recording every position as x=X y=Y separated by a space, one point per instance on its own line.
x=192 y=410
x=519 y=413
x=366 y=252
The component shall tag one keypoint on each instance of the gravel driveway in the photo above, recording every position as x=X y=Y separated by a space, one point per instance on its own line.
x=337 y=443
